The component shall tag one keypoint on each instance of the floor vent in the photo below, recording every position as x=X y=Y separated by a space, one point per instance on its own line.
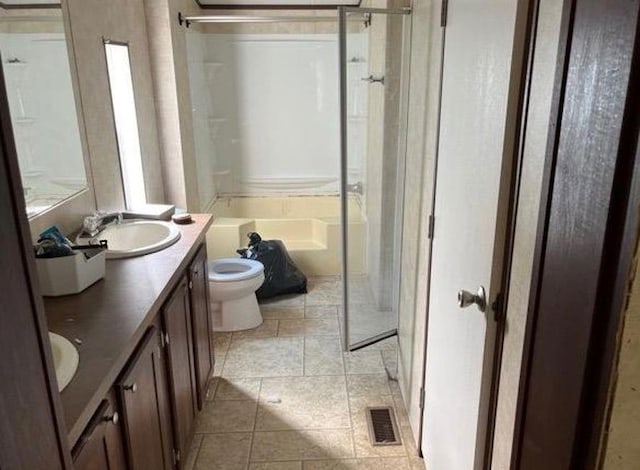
x=383 y=429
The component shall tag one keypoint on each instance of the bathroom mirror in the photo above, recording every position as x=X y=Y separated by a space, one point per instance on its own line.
x=37 y=71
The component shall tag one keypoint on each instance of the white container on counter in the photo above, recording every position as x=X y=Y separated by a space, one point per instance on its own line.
x=69 y=274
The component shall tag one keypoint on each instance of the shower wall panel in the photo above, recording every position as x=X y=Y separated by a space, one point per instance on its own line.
x=273 y=112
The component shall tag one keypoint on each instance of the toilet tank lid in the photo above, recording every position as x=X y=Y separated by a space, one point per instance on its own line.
x=234 y=269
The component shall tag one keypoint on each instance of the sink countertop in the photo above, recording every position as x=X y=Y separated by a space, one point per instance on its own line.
x=111 y=317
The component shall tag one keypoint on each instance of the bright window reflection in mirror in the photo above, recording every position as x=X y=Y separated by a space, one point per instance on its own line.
x=124 y=114
x=42 y=105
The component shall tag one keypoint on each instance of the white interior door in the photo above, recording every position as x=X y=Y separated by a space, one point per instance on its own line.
x=478 y=50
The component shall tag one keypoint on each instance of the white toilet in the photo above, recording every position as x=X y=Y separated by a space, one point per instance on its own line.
x=232 y=286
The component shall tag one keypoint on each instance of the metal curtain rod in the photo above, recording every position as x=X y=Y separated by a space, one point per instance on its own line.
x=188 y=20
x=352 y=12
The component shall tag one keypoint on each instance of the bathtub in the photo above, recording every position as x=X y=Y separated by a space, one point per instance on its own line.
x=309 y=226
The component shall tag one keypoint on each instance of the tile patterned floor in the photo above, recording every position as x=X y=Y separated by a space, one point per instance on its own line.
x=285 y=396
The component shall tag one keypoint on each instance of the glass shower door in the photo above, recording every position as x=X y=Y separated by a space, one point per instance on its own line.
x=374 y=68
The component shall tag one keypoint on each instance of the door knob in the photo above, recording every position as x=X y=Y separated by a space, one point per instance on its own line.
x=133 y=387
x=466 y=298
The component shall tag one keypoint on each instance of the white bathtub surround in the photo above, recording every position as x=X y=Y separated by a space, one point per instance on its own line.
x=45 y=124
x=266 y=112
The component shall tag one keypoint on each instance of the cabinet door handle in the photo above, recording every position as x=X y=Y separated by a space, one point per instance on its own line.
x=114 y=418
x=133 y=387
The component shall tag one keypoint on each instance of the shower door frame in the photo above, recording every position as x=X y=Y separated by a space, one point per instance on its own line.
x=343 y=11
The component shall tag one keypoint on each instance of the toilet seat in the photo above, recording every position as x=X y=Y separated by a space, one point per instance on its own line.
x=234 y=269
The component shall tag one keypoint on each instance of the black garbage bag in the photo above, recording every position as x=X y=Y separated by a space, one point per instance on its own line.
x=281 y=275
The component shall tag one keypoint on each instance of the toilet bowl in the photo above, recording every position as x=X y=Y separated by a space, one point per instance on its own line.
x=233 y=283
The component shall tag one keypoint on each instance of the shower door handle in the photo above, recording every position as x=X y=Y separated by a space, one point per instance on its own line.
x=372 y=79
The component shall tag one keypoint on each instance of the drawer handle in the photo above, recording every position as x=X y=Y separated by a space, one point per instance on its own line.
x=114 y=418
x=133 y=387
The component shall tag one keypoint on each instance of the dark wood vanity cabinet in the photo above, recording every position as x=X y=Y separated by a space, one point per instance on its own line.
x=101 y=447
x=201 y=323
x=176 y=317
x=161 y=389
x=142 y=390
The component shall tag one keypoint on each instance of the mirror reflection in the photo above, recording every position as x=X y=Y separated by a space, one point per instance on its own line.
x=37 y=73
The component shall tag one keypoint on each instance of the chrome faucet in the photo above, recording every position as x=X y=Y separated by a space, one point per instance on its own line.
x=98 y=221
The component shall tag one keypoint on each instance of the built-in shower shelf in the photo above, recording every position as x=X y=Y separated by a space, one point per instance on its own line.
x=357 y=118
x=25 y=121
x=217 y=119
x=287 y=183
x=211 y=63
x=32 y=172
x=16 y=65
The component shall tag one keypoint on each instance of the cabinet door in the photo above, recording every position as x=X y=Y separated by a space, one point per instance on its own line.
x=101 y=446
x=201 y=323
x=176 y=316
x=142 y=390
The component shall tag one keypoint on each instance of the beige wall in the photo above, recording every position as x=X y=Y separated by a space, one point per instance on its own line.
x=168 y=51
x=35 y=26
x=120 y=20
x=374 y=156
x=424 y=95
x=622 y=441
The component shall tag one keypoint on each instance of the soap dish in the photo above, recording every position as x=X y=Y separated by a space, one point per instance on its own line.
x=182 y=219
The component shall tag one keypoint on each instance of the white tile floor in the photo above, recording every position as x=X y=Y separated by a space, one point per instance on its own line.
x=285 y=396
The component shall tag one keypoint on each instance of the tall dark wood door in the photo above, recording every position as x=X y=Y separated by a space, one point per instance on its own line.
x=176 y=316
x=142 y=390
x=32 y=434
x=581 y=273
x=201 y=323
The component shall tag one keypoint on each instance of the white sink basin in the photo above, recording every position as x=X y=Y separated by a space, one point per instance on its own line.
x=138 y=238
x=65 y=359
